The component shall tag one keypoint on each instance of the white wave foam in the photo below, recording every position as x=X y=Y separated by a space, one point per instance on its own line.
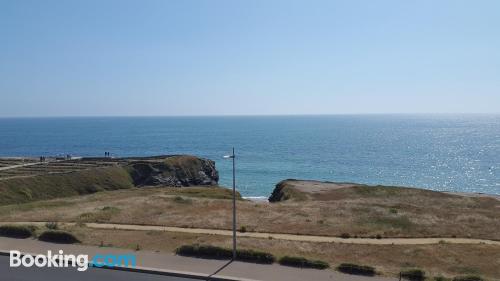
x=256 y=198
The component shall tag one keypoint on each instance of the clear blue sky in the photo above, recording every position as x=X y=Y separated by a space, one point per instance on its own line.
x=200 y=57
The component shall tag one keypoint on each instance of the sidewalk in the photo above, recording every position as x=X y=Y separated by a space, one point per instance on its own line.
x=164 y=263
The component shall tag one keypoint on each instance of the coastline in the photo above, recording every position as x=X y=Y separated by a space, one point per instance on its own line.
x=341 y=148
x=333 y=222
x=19 y=161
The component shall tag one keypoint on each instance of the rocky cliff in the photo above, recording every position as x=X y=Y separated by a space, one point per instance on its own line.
x=300 y=190
x=284 y=191
x=182 y=170
x=89 y=175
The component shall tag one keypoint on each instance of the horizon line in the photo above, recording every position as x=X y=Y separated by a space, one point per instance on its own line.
x=249 y=115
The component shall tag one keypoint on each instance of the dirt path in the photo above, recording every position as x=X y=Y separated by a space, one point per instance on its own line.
x=20 y=165
x=32 y=164
x=281 y=236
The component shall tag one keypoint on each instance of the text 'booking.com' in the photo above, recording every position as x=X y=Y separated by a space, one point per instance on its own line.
x=80 y=262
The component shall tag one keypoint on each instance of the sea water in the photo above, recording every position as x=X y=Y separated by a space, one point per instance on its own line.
x=441 y=152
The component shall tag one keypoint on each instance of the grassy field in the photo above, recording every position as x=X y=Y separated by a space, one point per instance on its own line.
x=26 y=189
x=52 y=166
x=64 y=178
x=339 y=210
x=441 y=259
x=353 y=212
x=6 y=162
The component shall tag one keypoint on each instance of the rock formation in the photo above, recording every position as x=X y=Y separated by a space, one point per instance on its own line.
x=176 y=171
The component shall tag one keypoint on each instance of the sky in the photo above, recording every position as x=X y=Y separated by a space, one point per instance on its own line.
x=201 y=57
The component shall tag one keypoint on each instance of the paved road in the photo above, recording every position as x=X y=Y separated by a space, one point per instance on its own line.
x=65 y=274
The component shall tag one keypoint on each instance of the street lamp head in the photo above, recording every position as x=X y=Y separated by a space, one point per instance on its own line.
x=228 y=156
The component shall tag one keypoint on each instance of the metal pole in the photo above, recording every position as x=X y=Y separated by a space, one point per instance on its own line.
x=234 y=207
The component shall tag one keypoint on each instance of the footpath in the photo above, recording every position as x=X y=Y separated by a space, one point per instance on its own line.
x=279 y=236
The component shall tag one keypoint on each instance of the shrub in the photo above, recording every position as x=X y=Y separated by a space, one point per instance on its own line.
x=468 y=278
x=52 y=225
x=17 y=231
x=356 y=269
x=243 y=229
x=303 y=262
x=56 y=236
x=413 y=274
x=32 y=228
x=206 y=251
x=345 y=235
x=203 y=251
x=255 y=256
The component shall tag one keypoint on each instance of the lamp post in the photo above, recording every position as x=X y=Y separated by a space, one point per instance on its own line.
x=232 y=156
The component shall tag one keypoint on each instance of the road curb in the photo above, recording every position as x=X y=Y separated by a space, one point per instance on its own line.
x=157 y=271
x=176 y=273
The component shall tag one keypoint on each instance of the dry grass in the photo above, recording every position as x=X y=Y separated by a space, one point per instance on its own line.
x=358 y=211
x=441 y=259
x=420 y=214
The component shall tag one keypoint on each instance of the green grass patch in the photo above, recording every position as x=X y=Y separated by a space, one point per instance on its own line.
x=213 y=252
x=43 y=187
x=110 y=209
x=17 y=231
x=303 y=262
x=356 y=269
x=57 y=236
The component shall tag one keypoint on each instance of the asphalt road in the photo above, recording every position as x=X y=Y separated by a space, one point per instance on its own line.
x=65 y=274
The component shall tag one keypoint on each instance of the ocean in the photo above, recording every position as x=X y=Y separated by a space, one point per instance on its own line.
x=459 y=153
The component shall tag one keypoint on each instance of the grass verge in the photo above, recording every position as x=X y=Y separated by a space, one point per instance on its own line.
x=28 y=189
